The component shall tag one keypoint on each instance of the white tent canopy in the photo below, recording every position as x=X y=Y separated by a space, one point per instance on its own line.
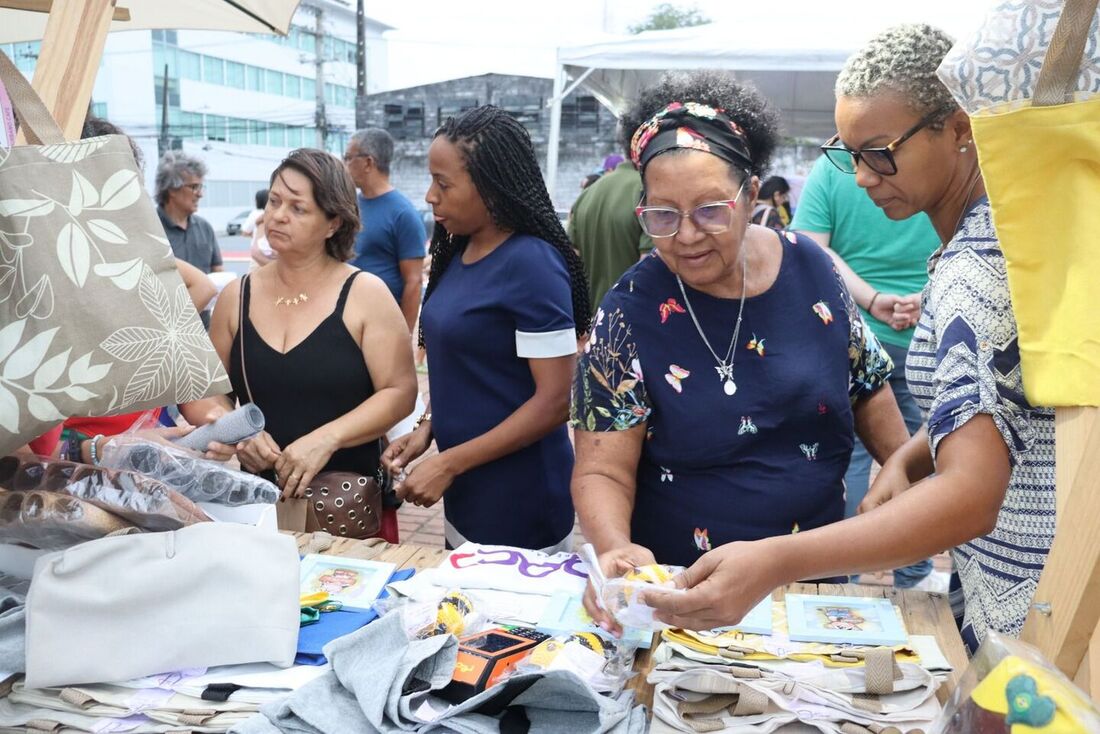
x=246 y=16
x=792 y=55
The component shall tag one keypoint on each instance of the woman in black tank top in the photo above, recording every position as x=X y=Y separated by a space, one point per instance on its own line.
x=327 y=354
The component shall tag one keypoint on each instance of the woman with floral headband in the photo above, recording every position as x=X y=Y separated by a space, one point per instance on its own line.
x=716 y=398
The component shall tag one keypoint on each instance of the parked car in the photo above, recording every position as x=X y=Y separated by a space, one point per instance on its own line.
x=233 y=226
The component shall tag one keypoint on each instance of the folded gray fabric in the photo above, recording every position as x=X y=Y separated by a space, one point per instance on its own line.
x=13 y=632
x=233 y=427
x=379 y=677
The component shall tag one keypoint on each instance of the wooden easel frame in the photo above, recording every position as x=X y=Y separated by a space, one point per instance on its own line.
x=72 y=47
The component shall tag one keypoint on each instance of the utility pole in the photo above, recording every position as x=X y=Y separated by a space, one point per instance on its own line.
x=163 y=146
x=320 y=119
x=360 y=66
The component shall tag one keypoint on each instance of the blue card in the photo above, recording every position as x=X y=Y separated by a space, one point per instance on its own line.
x=848 y=620
x=565 y=613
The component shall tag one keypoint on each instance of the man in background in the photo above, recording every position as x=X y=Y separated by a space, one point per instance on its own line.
x=179 y=189
x=391 y=241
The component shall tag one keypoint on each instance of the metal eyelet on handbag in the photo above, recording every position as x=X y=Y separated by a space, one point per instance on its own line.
x=345 y=486
x=362 y=525
x=362 y=481
x=357 y=497
x=343 y=529
x=319 y=506
x=352 y=514
x=324 y=491
x=338 y=502
x=309 y=491
x=330 y=519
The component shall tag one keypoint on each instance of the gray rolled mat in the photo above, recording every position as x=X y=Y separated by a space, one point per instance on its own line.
x=242 y=423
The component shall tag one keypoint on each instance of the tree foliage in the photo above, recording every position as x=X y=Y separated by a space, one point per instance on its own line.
x=667 y=16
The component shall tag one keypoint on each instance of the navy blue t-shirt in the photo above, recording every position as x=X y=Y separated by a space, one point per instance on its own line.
x=716 y=468
x=482 y=324
x=391 y=232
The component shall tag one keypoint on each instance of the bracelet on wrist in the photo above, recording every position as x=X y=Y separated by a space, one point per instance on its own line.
x=425 y=417
x=872 y=303
x=93 y=449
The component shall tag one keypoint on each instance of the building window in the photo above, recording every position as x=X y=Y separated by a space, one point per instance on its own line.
x=580 y=113
x=254 y=78
x=173 y=91
x=309 y=88
x=292 y=86
x=525 y=109
x=294 y=137
x=213 y=70
x=276 y=135
x=238 y=131
x=257 y=132
x=273 y=82
x=234 y=74
x=99 y=109
x=190 y=66
x=215 y=128
x=453 y=108
x=165 y=55
x=191 y=126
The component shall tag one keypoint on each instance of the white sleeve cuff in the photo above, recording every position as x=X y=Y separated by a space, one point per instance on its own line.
x=546 y=345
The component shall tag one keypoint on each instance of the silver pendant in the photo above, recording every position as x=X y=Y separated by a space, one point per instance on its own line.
x=729 y=387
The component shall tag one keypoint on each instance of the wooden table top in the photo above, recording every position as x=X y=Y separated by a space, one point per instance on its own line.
x=924 y=613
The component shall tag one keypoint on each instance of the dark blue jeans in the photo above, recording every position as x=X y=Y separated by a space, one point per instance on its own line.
x=856 y=480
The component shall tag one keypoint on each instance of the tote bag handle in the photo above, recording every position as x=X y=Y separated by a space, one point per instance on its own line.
x=1063 y=59
x=35 y=120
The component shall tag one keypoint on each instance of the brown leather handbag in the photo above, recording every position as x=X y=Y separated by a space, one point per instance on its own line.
x=342 y=503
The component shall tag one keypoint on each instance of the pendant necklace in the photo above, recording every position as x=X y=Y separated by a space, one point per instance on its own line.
x=725 y=366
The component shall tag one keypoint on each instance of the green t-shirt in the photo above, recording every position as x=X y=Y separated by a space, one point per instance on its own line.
x=891 y=256
x=604 y=229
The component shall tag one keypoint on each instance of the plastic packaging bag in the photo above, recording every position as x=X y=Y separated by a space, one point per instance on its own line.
x=585 y=654
x=196 y=478
x=1010 y=687
x=622 y=596
x=454 y=612
x=145 y=502
x=52 y=520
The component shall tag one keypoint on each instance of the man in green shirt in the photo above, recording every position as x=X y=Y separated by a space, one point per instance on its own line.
x=885 y=266
x=604 y=229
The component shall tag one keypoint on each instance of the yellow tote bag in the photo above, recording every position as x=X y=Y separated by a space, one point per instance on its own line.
x=1032 y=89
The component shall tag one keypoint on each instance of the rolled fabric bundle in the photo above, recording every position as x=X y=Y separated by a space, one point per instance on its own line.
x=52 y=520
x=234 y=427
x=197 y=479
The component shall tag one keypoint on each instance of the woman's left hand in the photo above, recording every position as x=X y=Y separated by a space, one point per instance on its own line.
x=720 y=588
x=427 y=481
x=300 y=462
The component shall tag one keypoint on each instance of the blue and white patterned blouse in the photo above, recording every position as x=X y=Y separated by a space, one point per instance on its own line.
x=964 y=360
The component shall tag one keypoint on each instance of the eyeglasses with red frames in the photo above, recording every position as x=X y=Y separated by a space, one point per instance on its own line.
x=713 y=217
x=879 y=159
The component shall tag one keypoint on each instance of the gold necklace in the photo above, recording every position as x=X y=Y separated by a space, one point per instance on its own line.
x=291 y=301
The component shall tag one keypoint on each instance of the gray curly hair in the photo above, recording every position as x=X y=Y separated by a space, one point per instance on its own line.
x=171 y=169
x=903 y=59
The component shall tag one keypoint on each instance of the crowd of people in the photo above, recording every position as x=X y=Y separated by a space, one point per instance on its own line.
x=729 y=371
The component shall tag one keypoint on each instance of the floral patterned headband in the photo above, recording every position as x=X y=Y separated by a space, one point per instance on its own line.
x=690 y=125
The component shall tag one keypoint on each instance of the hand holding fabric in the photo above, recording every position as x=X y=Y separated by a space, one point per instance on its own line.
x=906 y=312
x=403 y=451
x=215 y=450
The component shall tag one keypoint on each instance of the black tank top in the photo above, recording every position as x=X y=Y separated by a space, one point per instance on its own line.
x=320 y=379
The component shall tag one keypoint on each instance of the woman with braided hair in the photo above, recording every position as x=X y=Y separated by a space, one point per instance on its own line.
x=506 y=301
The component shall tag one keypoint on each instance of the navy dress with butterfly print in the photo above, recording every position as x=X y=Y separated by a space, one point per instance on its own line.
x=715 y=468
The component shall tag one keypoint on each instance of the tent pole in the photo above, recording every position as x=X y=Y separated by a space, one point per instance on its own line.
x=76 y=34
x=555 y=131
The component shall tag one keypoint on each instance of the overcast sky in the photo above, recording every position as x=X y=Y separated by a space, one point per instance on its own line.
x=445 y=39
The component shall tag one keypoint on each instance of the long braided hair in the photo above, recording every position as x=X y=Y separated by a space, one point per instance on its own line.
x=501 y=161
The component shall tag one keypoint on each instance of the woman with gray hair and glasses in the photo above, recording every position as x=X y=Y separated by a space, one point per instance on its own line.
x=979 y=479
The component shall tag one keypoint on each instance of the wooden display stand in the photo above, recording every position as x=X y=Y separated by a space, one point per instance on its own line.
x=1065 y=613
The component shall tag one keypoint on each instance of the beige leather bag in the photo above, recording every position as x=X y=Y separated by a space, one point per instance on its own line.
x=130 y=606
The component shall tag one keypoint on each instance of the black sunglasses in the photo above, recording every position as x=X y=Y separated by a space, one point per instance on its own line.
x=880 y=160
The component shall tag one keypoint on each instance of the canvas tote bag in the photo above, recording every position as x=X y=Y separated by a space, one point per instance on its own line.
x=1030 y=81
x=94 y=318
x=134 y=605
